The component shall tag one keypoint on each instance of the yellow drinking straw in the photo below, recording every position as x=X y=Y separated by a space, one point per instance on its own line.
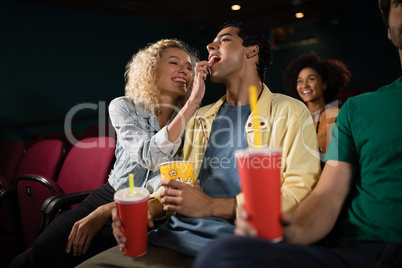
x=131 y=182
x=254 y=113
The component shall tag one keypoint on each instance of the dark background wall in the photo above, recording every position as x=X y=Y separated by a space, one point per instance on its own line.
x=57 y=63
x=357 y=36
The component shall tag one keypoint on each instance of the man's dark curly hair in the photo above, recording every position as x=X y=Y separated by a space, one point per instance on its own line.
x=252 y=37
x=333 y=72
x=385 y=6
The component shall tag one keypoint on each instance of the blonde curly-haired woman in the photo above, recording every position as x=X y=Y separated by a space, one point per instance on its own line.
x=149 y=121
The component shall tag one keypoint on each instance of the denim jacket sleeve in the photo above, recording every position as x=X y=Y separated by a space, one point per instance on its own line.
x=139 y=134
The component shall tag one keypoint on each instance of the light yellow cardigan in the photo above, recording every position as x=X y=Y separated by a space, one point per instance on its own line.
x=284 y=122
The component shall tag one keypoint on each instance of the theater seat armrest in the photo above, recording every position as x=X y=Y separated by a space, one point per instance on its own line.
x=59 y=203
x=7 y=193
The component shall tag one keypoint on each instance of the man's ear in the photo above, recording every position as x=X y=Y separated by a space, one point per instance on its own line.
x=389 y=34
x=252 y=51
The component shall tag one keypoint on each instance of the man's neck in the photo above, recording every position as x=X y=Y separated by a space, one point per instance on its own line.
x=237 y=93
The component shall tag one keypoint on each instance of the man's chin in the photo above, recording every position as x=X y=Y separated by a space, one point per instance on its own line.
x=215 y=78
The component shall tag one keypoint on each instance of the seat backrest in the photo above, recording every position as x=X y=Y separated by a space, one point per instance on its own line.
x=43 y=159
x=11 y=153
x=87 y=165
x=34 y=139
x=35 y=183
x=32 y=192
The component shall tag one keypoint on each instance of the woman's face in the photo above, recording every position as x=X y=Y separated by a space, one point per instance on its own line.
x=174 y=72
x=310 y=85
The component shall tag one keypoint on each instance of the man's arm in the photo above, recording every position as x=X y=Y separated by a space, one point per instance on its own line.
x=317 y=214
x=193 y=202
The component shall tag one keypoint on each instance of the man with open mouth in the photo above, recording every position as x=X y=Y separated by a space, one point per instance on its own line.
x=239 y=58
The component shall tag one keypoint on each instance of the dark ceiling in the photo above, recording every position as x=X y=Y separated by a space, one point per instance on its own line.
x=206 y=13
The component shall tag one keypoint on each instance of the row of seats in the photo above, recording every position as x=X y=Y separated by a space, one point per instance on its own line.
x=12 y=152
x=47 y=182
x=94 y=130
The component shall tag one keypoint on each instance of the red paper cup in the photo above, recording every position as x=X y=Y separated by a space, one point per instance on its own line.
x=133 y=214
x=260 y=180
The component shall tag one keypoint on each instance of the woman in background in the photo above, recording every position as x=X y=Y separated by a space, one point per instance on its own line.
x=317 y=82
x=149 y=122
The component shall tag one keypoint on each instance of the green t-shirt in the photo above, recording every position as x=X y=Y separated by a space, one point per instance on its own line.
x=368 y=134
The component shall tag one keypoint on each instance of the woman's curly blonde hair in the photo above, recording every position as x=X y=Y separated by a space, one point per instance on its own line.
x=140 y=75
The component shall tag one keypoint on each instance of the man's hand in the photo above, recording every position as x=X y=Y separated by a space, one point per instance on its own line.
x=186 y=200
x=243 y=228
x=288 y=229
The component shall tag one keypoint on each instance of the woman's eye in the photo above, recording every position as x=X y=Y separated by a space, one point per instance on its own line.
x=172 y=62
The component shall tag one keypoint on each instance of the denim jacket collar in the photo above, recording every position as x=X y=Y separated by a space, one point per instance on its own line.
x=152 y=119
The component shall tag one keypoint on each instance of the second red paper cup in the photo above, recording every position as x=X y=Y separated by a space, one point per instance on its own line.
x=133 y=212
x=260 y=180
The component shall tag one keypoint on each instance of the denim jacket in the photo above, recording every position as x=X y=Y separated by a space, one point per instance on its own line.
x=141 y=145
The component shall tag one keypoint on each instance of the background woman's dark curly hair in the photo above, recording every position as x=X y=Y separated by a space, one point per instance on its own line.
x=333 y=72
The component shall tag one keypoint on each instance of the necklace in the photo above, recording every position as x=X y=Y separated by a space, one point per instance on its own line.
x=319 y=119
